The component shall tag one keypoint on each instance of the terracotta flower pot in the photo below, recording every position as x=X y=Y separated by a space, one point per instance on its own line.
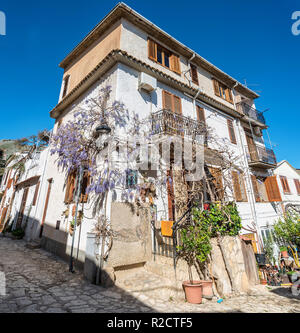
x=284 y=254
x=263 y=281
x=193 y=291
x=207 y=291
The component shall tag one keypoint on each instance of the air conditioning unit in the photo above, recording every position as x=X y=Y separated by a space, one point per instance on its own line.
x=147 y=82
x=257 y=131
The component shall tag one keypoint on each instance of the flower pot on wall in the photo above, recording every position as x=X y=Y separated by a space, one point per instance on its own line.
x=193 y=291
x=207 y=291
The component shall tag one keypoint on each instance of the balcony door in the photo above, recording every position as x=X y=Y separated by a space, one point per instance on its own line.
x=252 y=148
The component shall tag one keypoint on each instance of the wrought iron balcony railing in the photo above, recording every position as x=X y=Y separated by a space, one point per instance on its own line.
x=251 y=112
x=261 y=155
x=170 y=123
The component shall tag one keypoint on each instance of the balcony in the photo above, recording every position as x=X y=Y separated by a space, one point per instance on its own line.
x=170 y=123
x=261 y=157
x=251 y=112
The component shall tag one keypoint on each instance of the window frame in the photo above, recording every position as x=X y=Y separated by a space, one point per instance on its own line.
x=285 y=185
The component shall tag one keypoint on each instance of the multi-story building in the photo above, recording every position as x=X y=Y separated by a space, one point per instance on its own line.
x=154 y=74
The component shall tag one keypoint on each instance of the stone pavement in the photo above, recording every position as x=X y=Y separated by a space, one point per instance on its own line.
x=37 y=281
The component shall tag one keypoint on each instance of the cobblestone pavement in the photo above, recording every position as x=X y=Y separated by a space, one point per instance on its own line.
x=37 y=281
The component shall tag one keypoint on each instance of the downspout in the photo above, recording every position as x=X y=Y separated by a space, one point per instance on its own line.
x=245 y=162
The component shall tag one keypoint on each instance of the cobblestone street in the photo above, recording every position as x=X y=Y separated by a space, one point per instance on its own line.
x=37 y=281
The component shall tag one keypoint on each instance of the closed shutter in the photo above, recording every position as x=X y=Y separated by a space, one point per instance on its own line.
x=170 y=190
x=255 y=188
x=167 y=101
x=177 y=104
x=216 y=87
x=272 y=189
x=285 y=184
x=297 y=184
x=175 y=63
x=85 y=183
x=200 y=114
x=194 y=74
x=152 y=50
x=218 y=182
x=37 y=186
x=231 y=131
x=229 y=97
x=236 y=186
x=70 y=189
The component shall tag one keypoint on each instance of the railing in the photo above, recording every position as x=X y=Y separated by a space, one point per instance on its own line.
x=251 y=112
x=261 y=154
x=170 y=123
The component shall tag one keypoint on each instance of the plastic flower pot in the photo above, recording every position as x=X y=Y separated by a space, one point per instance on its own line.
x=207 y=291
x=193 y=291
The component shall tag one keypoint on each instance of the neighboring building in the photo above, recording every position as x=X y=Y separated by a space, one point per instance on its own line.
x=153 y=73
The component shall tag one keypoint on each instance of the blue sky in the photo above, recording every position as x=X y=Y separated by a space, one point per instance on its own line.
x=249 y=40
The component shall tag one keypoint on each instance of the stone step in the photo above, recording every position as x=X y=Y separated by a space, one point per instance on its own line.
x=33 y=245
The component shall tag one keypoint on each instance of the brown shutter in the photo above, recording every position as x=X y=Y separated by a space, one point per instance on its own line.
x=171 y=196
x=229 y=97
x=216 y=87
x=272 y=189
x=297 y=184
x=37 y=186
x=194 y=74
x=167 y=101
x=285 y=184
x=70 y=188
x=2 y=219
x=152 y=50
x=66 y=84
x=175 y=64
x=231 y=131
x=217 y=181
x=200 y=114
x=255 y=188
x=177 y=104
x=236 y=186
x=85 y=183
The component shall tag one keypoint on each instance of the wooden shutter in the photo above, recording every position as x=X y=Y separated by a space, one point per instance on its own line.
x=175 y=64
x=171 y=196
x=66 y=84
x=272 y=189
x=194 y=74
x=2 y=219
x=177 y=104
x=252 y=148
x=236 y=186
x=229 y=97
x=85 y=183
x=70 y=189
x=200 y=114
x=167 y=101
x=297 y=184
x=231 y=131
x=217 y=181
x=216 y=87
x=255 y=188
x=152 y=50
x=285 y=184
x=37 y=186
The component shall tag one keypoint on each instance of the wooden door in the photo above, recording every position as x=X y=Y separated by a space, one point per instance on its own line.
x=46 y=206
x=22 y=207
x=252 y=148
x=253 y=240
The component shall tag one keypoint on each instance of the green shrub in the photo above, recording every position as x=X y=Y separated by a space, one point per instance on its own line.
x=19 y=233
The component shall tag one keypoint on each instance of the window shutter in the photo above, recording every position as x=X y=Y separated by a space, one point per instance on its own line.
x=231 y=131
x=297 y=184
x=255 y=188
x=175 y=64
x=85 y=183
x=170 y=189
x=200 y=114
x=66 y=84
x=152 y=50
x=216 y=87
x=177 y=104
x=285 y=184
x=167 y=101
x=37 y=186
x=194 y=74
x=70 y=188
x=272 y=189
x=229 y=97
x=236 y=186
x=217 y=181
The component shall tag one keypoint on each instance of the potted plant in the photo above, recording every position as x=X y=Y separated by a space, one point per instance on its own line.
x=18 y=233
x=71 y=228
x=284 y=252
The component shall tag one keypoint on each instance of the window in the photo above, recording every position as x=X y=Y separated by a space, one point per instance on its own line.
x=231 y=131
x=171 y=102
x=71 y=187
x=131 y=178
x=163 y=56
x=65 y=86
x=255 y=188
x=285 y=185
x=200 y=114
x=216 y=179
x=272 y=189
x=194 y=74
x=239 y=187
x=222 y=91
x=297 y=184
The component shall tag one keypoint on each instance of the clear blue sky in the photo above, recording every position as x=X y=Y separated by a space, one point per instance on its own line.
x=249 y=40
